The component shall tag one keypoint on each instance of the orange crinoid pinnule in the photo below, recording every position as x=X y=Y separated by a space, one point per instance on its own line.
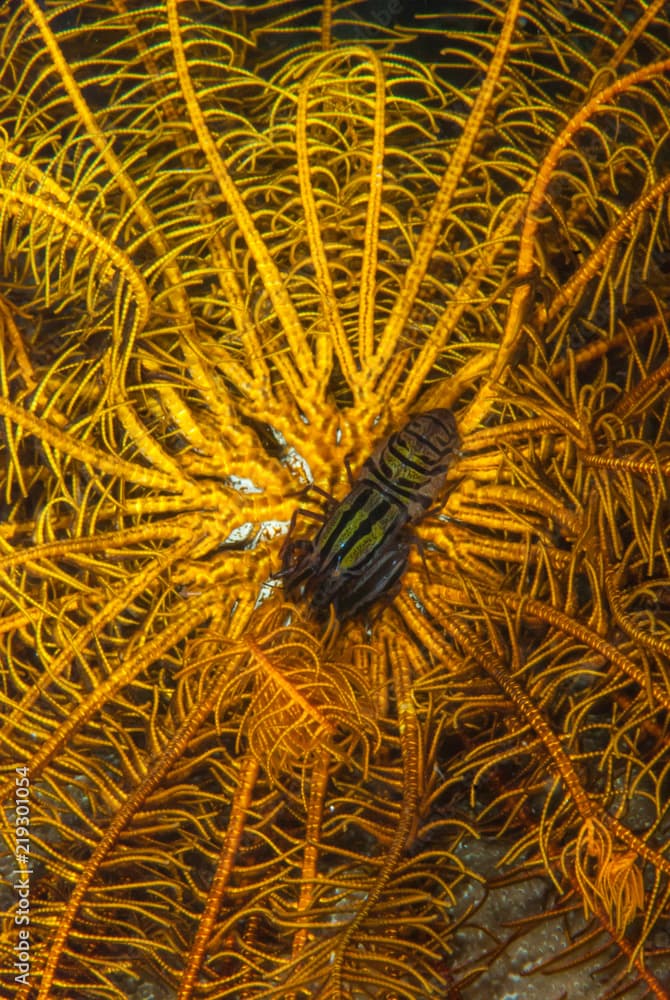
x=240 y=246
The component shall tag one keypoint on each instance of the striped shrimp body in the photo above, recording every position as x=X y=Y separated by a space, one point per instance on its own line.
x=361 y=550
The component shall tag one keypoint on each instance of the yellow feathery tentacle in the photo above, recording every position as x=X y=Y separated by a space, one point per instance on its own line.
x=272 y=279
x=442 y=202
x=518 y=304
